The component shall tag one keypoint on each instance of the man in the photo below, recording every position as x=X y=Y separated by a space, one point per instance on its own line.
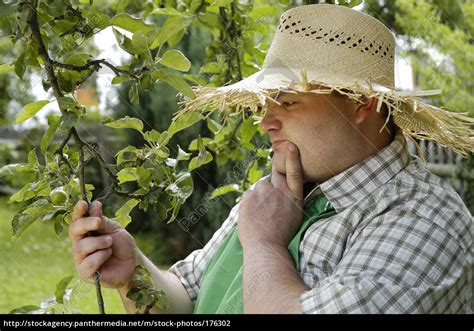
x=347 y=222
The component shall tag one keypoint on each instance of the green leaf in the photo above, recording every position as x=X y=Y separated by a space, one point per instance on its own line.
x=27 y=216
x=120 y=79
x=53 y=122
x=68 y=120
x=140 y=43
x=15 y=169
x=8 y=7
x=195 y=79
x=33 y=159
x=172 y=26
x=79 y=59
x=176 y=38
x=132 y=153
x=182 y=188
x=122 y=214
x=184 y=121
x=4 y=68
x=174 y=59
x=182 y=155
x=221 y=190
x=30 y=110
x=28 y=309
x=351 y=3
x=61 y=220
x=126 y=123
x=130 y=23
x=133 y=93
x=202 y=158
x=176 y=208
x=61 y=288
x=221 y=3
x=170 y=162
x=210 y=68
x=166 y=11
x=264 y=12
x=144 y=177
x=254 y=173
x=213 y=125
x=20 y=65
x=124 y=42
x=127 y=175
x=247 y=130
x=48 y=302
x=55 y=7
x=36 y=189
x=153 y=136
x=161 y=153
x=175 y=81
x=96 y=18
x=193 y=146
x=68 y=80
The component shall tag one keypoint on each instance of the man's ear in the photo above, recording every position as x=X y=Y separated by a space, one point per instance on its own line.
x=363 y=109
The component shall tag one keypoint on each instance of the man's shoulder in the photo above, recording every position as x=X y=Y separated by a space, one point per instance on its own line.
x=417 y=198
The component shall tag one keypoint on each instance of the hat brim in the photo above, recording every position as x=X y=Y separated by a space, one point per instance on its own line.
x=416 y=118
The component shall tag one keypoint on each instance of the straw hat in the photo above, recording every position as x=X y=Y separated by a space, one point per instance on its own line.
x=343 y=50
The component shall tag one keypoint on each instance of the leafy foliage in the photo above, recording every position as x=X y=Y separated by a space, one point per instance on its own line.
x=144 y=291
x=51 y=39
x=58 y=303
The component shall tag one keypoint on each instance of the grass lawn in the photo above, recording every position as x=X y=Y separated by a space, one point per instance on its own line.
x=32 y=265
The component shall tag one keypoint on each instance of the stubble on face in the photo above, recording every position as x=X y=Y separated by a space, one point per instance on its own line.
x=322 y=132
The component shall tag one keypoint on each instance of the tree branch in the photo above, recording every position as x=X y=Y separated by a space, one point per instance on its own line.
x=60 y=149
x=36 y=34
x=91 y=65
x=94 y=153
x=32 y=21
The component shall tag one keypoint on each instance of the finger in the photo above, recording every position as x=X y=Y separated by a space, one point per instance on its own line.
x=88 y=245
x=95 y=209
x=278 y=179
x=109 y=225
x=294 y=172
x=80 y=228
x=93 y=262
x=79 y=210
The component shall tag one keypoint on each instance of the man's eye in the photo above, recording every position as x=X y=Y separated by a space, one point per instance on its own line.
x=288 y=103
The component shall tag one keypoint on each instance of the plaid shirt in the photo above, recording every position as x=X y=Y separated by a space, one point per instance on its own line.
x=401 y=242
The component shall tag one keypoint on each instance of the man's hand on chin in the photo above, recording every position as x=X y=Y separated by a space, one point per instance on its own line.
x=271 y=213
x=269 y=217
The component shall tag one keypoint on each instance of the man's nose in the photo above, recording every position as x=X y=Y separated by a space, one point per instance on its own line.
x=271 y=121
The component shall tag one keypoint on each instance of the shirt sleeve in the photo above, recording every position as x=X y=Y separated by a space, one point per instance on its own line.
x=189 y=270
x=396 y=265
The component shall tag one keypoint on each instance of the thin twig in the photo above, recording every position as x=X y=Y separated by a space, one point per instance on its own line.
x=134 y=195
x=96 y=154
x=93 y=65
x=60 y=149
x=82 y=183
x=98 y=290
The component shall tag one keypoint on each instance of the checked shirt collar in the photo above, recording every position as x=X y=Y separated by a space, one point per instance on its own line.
x=356 y=182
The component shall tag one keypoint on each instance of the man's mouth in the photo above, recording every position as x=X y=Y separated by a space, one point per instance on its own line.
x=277 y=143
